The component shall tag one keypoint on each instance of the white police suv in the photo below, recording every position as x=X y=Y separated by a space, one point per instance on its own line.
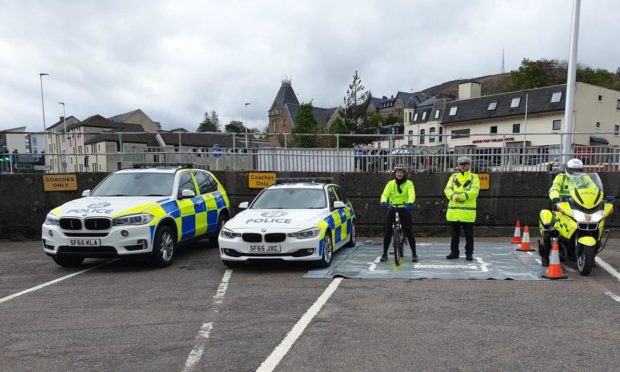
x=291 y=221
x=146 y=211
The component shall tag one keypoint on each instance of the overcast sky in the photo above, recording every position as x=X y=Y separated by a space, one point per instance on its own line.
x=176 y=60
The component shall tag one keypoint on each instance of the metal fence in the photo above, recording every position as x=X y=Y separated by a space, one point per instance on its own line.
x=508 y=157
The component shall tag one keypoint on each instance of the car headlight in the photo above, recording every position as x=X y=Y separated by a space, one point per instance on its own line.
x=228 y=234
x=133 y=219
x=306 y=234
x=50 y=219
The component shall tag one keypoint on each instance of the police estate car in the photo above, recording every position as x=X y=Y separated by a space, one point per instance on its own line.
x=146 y=211
x=297 y=221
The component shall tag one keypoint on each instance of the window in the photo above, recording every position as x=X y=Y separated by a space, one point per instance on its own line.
x=410 y=138
x=341 y=196
x=415 y=117
x=618 y=104
x=616 y=130
x=424 y=115
x=440 y=134
x=410 y=115
x=331 y=194
x=557 y=125
x=493 y=129
x=460 y=133
x=437 y=114
x=598 y=124
x=186 y=183
x=556 y=97
x=492 y=106
x=431 y=135
x=516 y=128
x=600 y=98
x=516 y=101
x=422 y=134
x=453 y=110
x=204 y=183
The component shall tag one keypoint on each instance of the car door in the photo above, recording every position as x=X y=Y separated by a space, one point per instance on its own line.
x=347 y=213
x=186 y=223
x=207 y=214
x=339 y=234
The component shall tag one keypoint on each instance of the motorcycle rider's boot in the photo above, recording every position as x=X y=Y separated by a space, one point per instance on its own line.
x=544 y=261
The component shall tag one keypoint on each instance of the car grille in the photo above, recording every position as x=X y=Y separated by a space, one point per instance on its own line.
x=97 y=223
x=588 y=226
x=71 y=223
x=87 y=235
x=252 y=237
x=275 y=237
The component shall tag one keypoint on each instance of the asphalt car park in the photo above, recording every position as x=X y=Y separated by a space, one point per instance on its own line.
x=199 y=315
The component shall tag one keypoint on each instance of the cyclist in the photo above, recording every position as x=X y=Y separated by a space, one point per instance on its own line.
x=398 y=191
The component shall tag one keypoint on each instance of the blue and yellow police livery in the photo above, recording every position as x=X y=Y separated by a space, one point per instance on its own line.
x=295 y=221
x=146 y=211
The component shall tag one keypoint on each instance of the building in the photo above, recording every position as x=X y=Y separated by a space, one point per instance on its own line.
x=284 y=109
x=16 y=140
x=394 y=106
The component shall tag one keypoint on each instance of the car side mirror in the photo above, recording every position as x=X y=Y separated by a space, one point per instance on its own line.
x=339 y=205
x=186 y=194
x=244 y=205
x=85 y=193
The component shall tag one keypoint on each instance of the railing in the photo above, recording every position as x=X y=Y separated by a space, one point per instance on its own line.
x=505 y=157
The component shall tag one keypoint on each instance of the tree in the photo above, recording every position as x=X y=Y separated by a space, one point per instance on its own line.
x=355 y=104
x=235 y=126
x=210 y=123
x=306 y=127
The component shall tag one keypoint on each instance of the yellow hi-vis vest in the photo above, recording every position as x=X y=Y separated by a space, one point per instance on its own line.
x=390 y=193
x=466 y=186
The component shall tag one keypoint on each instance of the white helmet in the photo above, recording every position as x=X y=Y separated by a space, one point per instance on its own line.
x=573 y=166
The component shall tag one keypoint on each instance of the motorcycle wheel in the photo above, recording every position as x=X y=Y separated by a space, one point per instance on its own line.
x=585 y=260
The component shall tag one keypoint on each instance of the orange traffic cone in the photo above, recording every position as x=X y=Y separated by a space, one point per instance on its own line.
x=554 y=271
x=517 y=237
x=526 y=245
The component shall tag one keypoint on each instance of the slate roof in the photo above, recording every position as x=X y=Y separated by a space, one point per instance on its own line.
x=121 y=118
x=322 y=115
x=59 y=122
x=285 y=95
x=538 y=101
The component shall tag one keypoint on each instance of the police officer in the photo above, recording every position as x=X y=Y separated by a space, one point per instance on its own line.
x=462 y=191
x=399 y=190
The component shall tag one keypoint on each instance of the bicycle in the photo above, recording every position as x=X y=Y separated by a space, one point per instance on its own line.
x=398 y=235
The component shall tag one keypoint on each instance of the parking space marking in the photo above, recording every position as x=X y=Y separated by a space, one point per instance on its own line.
x=7 y=298
x=205 y=330
x=281 y=350
x=607 y=267
x=613 y=296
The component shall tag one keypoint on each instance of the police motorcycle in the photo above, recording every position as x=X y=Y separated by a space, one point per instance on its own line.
x=577 y=223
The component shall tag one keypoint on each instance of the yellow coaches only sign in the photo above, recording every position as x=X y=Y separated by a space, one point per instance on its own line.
x=60 y=182
x=260 y=180
x=485 y=181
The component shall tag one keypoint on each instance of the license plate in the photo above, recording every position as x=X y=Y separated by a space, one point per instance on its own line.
x=84 y=242
x=265 y=248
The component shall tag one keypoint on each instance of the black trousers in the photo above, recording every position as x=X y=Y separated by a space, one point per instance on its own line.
x=405 y=221
x=468 y=229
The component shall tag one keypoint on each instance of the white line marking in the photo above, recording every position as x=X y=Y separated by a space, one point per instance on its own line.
x=221 y=290
x=199 y=347
x=7 y=298
x=607 y=267
x=483 y=265
x=374 y=264
x=538 y=260
x=280 y=351
x=205 y=330
x=613 y=296
x=530 y=253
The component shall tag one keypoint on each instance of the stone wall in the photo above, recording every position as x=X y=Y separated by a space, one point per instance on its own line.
x=24 y=204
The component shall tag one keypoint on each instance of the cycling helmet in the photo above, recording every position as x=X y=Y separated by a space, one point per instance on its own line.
x=573 y=166
x=463 y=160
x=401 y=167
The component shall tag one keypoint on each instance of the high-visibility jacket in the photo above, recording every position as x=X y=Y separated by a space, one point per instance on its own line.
x=562 y=185
x=466 y=186
x=391 y=194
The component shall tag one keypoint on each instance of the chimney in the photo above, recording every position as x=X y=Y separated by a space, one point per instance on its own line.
x=470 y=89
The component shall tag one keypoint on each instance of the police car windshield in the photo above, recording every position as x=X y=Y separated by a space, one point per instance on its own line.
x=291 y=199
x=136 y=184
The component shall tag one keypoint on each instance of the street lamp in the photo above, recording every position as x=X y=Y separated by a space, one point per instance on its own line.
x=64 y=122
x=41 y=74
x=246 y=124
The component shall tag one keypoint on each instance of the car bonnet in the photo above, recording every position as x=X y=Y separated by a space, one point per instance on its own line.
x=276 y=219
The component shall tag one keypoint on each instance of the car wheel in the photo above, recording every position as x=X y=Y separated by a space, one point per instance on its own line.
x=68 y=261
x=328 y=251
x=164 y=247
x=353 y=240
x=220 y=223
x=232 y=264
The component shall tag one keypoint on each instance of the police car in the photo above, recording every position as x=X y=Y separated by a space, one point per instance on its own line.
x=291 y=221
x=146 y=211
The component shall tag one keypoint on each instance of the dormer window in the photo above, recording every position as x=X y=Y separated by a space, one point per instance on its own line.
x=516 y=101
x=492 y=106
x=453 y=110
x=424 y=115
x=437 y=114
x=556 y=97
x=415 y=117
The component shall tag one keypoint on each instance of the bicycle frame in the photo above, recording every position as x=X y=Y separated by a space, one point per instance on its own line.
x=398 y=235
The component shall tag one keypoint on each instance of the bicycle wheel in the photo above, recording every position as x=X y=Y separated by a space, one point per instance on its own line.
x=397 y=246
x=401 y=245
